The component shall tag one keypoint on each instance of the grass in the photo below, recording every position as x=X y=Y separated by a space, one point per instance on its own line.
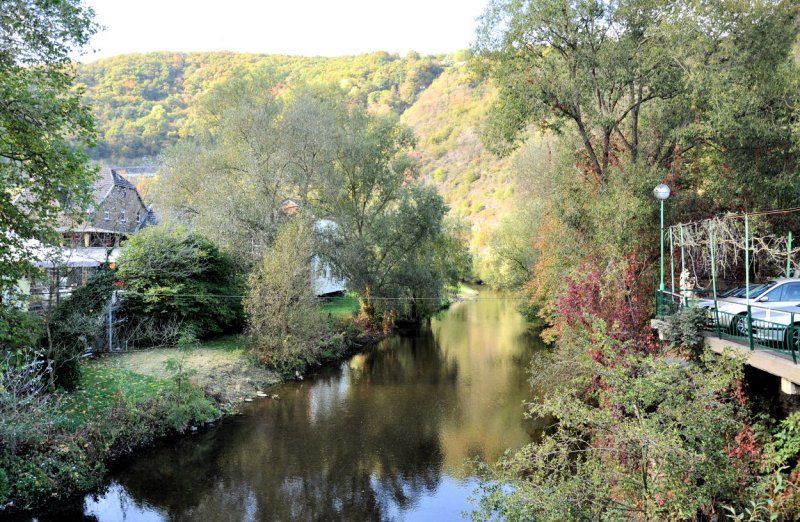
x=96 y=394
x=228 y=343
x=341 y=307
x=223 y=367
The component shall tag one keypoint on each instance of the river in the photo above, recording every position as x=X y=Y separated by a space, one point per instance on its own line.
x=385 y=435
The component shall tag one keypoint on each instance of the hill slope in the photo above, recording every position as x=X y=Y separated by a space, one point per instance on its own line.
x=144 y=103
x=446 y=119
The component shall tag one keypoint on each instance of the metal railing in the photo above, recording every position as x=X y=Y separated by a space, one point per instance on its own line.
x=779 y=331
x=667 y=303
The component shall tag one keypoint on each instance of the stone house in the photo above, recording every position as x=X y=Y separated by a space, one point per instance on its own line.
x=89 y=241
x=118 y=211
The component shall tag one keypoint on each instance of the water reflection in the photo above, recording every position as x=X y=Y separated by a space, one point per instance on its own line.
x=384 y=436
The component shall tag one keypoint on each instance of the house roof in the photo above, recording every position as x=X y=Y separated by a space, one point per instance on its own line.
x=108 y=178
x=106 y=181
x=77 y=257
x=47 y=256
x=150 y=219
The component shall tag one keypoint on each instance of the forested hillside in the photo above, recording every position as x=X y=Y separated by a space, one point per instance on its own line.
x=446 y=120
x=143 y=102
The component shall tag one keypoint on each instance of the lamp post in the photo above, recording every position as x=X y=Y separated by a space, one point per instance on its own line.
x=662 y=192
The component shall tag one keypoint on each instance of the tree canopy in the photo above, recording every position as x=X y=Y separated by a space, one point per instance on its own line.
x=646 y=81
x=43 y=125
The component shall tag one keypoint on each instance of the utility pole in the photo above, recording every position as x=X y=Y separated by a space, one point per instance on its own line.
x=111 y=321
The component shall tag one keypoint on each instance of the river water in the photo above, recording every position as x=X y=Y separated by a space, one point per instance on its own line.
x=383 y=436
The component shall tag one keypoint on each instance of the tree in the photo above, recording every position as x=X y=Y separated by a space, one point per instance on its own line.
x=229 y=181
x=702 y=95
x=76 y=326
x=509 y=260
x=171 y=274
x=43 y=126
x=386 y=226
x=255 y=149
x=284 y=324
x=340 y=162
x=637 y=80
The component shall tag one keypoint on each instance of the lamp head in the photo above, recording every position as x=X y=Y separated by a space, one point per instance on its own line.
x=661 y=192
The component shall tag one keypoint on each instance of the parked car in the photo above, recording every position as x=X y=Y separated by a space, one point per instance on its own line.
x=778 y=293
x=737 y=291
x=771 y=325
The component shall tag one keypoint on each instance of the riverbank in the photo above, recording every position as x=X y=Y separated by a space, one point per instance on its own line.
x=126 y=401
x=58 y=444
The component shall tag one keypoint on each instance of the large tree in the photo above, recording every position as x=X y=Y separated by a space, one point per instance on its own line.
x=389 y=237
x=259 y=144
x=43 y=170
x=645 y=80
x=253 y=148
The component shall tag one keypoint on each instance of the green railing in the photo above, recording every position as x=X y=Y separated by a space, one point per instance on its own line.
x=667 y=303
x=779 y=334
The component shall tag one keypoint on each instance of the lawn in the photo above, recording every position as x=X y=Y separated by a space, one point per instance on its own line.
x=341 y=307
x=99 y=386
x=223 y=367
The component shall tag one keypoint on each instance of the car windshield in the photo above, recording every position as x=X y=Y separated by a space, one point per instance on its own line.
x=740 y=292
x=731 y=291
x=760 y=289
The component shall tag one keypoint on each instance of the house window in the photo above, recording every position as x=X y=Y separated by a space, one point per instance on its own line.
x=122 y=217
x=107 y=215
x=138 y=216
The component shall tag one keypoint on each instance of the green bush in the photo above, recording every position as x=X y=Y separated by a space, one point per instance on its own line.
x=632 y=437
x=684 y=331
x=188 y=407
x=55 y=445
x=5 y=487
x=20 y=331
x=78 y=325
x=173 y=275
x=786 y=440
x=285 y=327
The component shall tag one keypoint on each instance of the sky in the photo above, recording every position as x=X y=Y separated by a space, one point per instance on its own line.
x=297 y=27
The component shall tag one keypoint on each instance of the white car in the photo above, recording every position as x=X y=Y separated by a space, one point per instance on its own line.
x=779 y=293
x=772 y=325
x=723 y=296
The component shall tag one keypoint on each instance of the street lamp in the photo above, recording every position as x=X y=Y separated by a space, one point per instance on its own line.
x=662 y=192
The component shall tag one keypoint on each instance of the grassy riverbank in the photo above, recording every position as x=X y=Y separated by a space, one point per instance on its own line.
x=61 y=444
x=125 y=401
x=58 y=446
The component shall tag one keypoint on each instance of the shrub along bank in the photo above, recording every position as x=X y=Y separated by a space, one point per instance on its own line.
x=55 y=445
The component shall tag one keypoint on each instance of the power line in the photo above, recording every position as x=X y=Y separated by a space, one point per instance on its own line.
x=232 y=296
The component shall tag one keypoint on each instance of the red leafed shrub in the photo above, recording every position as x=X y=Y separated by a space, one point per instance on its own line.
x=619 y=297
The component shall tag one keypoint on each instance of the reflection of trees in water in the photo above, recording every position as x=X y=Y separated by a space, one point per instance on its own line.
x=364 y=443
x=72 y=511
x=376 y=450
